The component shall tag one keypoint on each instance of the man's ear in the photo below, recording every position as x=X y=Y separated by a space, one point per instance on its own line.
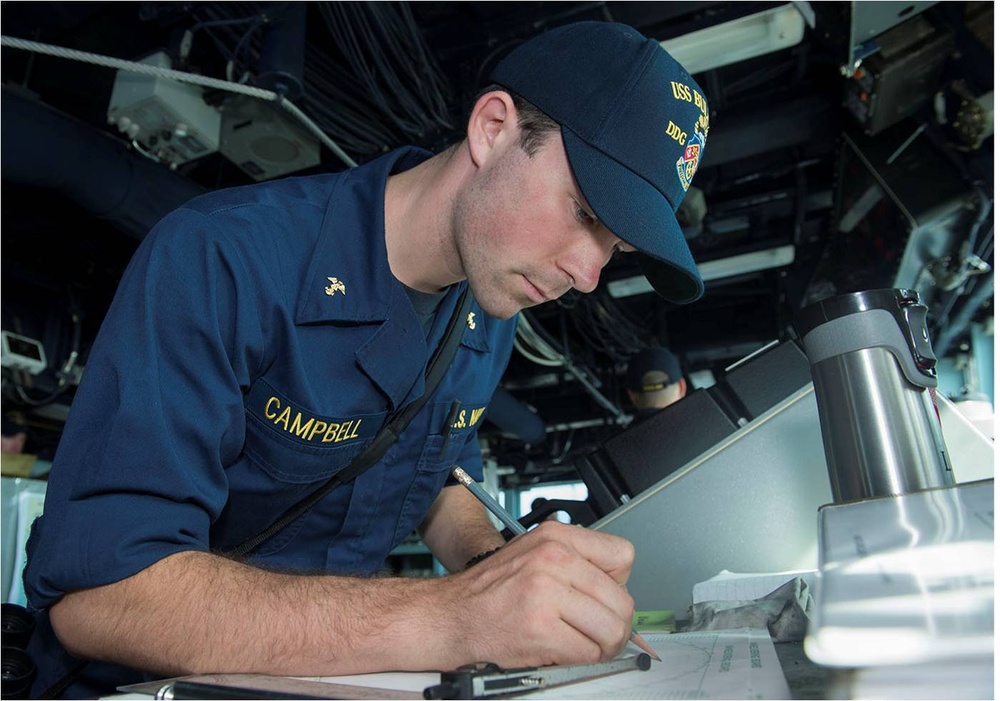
x=492 y=121
x=683 y=386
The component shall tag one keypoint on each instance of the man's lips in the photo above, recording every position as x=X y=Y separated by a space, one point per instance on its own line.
x=535 y=293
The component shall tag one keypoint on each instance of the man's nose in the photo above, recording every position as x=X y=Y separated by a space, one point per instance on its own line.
x=592 y=257
x=587 y=271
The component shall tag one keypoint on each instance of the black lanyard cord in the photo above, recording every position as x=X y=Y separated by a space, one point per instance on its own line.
x=388 y=435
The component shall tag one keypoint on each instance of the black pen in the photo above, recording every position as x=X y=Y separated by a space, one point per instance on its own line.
x=448 y=422
x=515 y=526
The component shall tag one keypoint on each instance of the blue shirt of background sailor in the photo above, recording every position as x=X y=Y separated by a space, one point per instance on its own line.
x=257 y=343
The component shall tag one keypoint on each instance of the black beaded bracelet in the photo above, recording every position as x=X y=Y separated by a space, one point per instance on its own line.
x=481 y=556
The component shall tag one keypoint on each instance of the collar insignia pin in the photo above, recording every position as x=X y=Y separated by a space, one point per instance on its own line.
x=334 y=287
x=471 y=320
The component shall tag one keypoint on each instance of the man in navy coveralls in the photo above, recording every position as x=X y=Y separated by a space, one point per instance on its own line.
x=260 y=337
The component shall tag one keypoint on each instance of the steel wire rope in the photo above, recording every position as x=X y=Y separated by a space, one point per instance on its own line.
x=181 y=77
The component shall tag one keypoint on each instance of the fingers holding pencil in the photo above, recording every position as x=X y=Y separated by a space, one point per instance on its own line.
x=611 y=554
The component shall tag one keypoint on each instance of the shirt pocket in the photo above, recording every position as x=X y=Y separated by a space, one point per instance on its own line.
x=296 y=445
x=437 y=458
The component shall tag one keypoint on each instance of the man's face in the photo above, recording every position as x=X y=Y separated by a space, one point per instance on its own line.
x=524 y=232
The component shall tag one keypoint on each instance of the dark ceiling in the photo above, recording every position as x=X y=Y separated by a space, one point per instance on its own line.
x=899 y=197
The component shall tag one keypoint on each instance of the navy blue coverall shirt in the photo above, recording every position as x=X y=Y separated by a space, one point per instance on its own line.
x=256 y=344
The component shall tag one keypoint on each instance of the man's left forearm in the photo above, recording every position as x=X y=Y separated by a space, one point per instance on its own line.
x=457 y=528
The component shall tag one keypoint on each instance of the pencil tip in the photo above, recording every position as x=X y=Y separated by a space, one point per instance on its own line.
x=641 y=642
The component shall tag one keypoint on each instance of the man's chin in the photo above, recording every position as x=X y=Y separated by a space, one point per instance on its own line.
x=505 y=311
x=503 y=315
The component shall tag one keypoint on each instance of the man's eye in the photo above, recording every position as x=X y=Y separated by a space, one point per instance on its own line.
x=583 y=216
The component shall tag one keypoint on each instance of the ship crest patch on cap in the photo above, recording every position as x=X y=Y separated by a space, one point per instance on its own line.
x=694 y=144
x=687 y=164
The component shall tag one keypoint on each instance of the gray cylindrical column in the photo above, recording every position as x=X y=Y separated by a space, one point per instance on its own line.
x=873 y=371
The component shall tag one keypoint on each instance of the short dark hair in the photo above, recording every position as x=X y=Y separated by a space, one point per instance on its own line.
x=536 y=126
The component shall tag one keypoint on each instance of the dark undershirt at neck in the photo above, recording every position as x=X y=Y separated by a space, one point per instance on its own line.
x=425 y=304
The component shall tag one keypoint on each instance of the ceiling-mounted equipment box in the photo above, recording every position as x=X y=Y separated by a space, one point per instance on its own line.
x=901 y=77
x=168 y=120
x=263 y=142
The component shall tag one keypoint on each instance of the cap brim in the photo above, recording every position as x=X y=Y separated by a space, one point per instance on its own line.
x=638 y=214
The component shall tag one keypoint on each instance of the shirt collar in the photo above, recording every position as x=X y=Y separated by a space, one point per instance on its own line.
x=349 y=278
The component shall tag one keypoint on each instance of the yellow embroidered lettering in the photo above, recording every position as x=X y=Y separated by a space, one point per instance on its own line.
x=476 y=413
x=675 y=133
x=342 y=433
x=268 y=411
x=300 y=429
x=461 y=420
x=309 y=427
x=283 y=417
x=700 y=103
x=318 y=428
x=681 y=91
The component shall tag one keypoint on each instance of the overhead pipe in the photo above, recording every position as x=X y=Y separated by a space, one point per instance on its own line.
x=46 y=148
x=513 y=416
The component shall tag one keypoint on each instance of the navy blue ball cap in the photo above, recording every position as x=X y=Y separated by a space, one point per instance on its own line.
x=634 y=124
x=648 y=360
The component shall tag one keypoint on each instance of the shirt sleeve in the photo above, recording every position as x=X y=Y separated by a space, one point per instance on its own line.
x=140 y=470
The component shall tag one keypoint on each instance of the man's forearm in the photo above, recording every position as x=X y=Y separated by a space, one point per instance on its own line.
x=554 y=595
x=196 y=612
x=457 y=528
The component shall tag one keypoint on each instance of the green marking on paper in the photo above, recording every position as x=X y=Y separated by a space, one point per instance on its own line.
x=654 y=620
x=727 y=659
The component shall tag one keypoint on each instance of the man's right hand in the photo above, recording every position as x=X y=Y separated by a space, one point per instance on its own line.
x=554 y=595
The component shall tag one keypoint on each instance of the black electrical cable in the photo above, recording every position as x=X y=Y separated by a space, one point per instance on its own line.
x=361 y=40
x=63 y=374
x=241 y=63
x=986 y=247
x=438 y=84
x=607 y=329
x=222 y=22
x=400 y=57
